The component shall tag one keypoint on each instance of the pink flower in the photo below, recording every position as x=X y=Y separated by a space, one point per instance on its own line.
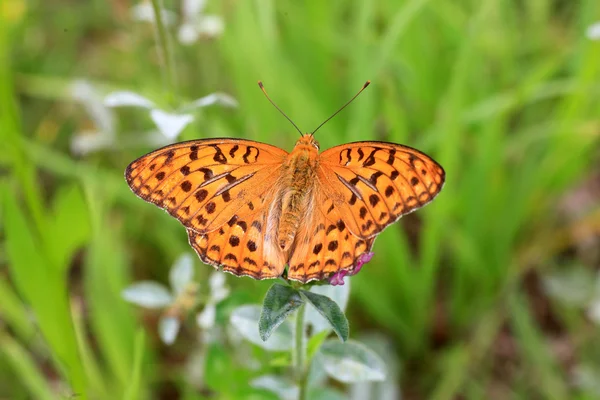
x=338 y=277
x=362 y=260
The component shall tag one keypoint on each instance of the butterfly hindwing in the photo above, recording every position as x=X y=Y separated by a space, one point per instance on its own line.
x=242 y=246
x=324 y=244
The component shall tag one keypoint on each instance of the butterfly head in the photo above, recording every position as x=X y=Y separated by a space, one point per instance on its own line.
x=308 y=140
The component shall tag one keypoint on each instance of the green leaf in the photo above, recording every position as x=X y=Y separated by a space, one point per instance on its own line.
x=351 y=362
x=322 y=393
x=315 y=342
x=134 y=384
x=70 y=214
x=44 y=289
x=280 y=301
x=218 y=367
x=331 y=311
x=339 y=294
x=20 y=359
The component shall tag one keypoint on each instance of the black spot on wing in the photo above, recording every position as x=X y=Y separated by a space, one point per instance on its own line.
x=219 y=156
x=251 y=154
x=347 y=155
x=370 y=160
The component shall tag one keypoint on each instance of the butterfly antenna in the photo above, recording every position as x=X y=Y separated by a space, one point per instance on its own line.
x=367 y=83
x=260 y=84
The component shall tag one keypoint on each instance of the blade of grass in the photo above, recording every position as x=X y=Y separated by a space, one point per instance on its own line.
x=21 y=361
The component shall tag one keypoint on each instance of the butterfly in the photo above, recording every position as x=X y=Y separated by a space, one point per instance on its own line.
x=252 y=209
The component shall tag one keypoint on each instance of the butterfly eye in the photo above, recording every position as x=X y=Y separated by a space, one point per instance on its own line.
x=316 y=145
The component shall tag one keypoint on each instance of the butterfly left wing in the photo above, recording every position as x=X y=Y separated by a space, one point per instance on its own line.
x=372 y=184
x=222 y=191
x=203 y=183
x=246 y=244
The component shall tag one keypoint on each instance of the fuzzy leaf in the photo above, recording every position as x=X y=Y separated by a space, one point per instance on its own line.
x=352 y=362
x=331 y=311
x=339 y=294
x=245 y=319
x=279 y=303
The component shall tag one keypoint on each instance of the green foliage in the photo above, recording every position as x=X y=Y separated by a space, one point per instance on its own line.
x=331 y=311
x=502 y=93
x=279 y=303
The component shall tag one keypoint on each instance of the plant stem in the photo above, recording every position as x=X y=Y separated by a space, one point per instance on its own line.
x=299 y=354
x=164 y=50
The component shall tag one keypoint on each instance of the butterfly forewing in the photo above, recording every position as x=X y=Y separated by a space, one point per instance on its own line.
x=375 y=183
x=203 y=183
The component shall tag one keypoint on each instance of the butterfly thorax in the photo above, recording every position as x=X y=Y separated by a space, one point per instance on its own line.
x=299 y=174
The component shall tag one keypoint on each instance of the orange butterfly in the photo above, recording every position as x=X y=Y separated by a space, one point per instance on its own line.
x=252 y=208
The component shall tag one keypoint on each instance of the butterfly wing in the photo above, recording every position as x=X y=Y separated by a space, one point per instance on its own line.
x=324 y=244
x=246 y=244
x=203 y=183
x=372 y=184
x=217 y=188
x=361 y=188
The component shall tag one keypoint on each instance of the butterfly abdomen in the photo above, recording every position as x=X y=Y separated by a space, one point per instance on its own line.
x=300 y=173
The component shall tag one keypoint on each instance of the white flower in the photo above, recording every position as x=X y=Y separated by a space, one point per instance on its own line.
x=587 y=377
x=181 y=273
x=125 y=98
x=196 y=24
x=206 y=318
x=153 y=295
x=168 y=328
x=593 y=31
x=169 y=123
x=594 y=311
x=218 y=291
x=144 y=12
x=103 y=136
x=148 y=294
x=573 y=287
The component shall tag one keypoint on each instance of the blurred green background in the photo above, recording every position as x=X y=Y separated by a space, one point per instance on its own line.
x=488 y=292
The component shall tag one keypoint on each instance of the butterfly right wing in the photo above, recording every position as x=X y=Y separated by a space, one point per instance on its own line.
x=324 y=244
x=374 y=183
x=361 y=188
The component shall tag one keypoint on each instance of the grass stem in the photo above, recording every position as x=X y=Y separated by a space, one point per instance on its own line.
x=164 y=50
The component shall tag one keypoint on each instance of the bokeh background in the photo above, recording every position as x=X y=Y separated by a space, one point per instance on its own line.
x=491 y=291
